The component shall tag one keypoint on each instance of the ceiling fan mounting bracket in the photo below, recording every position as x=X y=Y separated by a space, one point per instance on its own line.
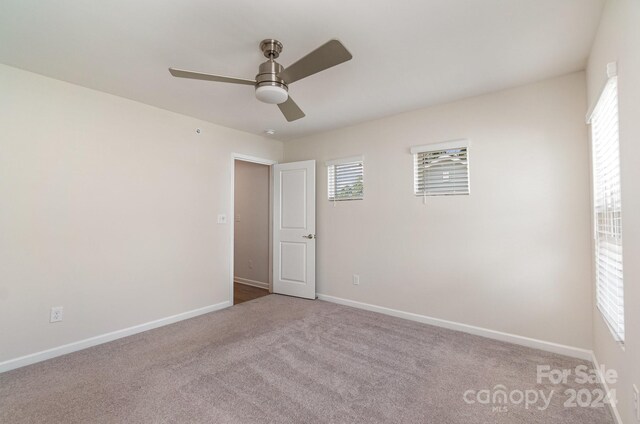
x=271 y=48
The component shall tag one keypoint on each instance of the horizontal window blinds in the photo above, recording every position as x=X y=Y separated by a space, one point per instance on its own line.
x=607 y=209
x=443 y=171
x=345 y=180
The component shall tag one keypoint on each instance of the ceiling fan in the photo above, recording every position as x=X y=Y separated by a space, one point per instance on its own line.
x=272 y=82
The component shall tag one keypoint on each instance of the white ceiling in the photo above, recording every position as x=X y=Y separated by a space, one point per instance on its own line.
x=407 y=54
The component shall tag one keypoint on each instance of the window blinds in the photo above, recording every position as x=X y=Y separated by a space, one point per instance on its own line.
x=607 y=208
x=441 y=169
x=345 y=179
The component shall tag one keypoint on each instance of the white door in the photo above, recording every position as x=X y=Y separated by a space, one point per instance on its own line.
x=294 y=229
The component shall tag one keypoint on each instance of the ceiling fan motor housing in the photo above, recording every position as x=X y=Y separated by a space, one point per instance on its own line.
x=270 y=88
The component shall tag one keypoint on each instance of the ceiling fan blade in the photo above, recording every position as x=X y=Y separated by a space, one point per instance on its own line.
x=330 y=54
x=290 y=110
x=181 y=73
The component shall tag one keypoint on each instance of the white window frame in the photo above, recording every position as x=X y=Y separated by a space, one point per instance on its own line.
x=607 y=201
x=343 y=161
x=434 y=147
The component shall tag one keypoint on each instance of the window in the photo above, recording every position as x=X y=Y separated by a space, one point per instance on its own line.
x=441 y=169
x=345 y=179
x=608 y=207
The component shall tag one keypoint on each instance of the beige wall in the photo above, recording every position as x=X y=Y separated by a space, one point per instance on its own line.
x=251 y=226
x=107 y=208
x=618 y=39
x=514 y=256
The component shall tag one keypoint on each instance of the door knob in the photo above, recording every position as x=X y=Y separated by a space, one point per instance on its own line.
x=310 y=236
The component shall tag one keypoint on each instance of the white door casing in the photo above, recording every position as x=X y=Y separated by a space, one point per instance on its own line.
x=294 y=229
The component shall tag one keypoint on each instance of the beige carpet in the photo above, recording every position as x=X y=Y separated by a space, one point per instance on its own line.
x=284 y=360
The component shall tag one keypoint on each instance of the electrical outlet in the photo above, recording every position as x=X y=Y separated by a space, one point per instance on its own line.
x=222 y=219
x=356 y=279
x=238 y=217
x=56 y=314
x=250 y=264
x=636 y=402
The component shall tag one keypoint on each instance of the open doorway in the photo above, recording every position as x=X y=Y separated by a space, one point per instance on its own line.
x=251 y=231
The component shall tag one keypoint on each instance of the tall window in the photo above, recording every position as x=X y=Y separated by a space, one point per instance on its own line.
x=607 y=208
x=441 y=169
x=345 y=179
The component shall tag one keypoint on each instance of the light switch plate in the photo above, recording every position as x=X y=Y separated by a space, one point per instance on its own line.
x=222 y=218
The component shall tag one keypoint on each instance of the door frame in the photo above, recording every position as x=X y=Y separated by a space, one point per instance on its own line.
x=232 y=214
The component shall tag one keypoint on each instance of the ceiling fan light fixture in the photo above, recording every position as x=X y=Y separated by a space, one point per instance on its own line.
x=272 y=94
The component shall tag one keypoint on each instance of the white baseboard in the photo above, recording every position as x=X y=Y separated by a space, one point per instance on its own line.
x=613 y=407
x=104 y=338
x=574 y=352
x=253 y=283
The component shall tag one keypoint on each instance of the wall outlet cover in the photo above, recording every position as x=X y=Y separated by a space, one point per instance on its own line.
x=222 y=218
x=56 y=314
x=356 y=279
